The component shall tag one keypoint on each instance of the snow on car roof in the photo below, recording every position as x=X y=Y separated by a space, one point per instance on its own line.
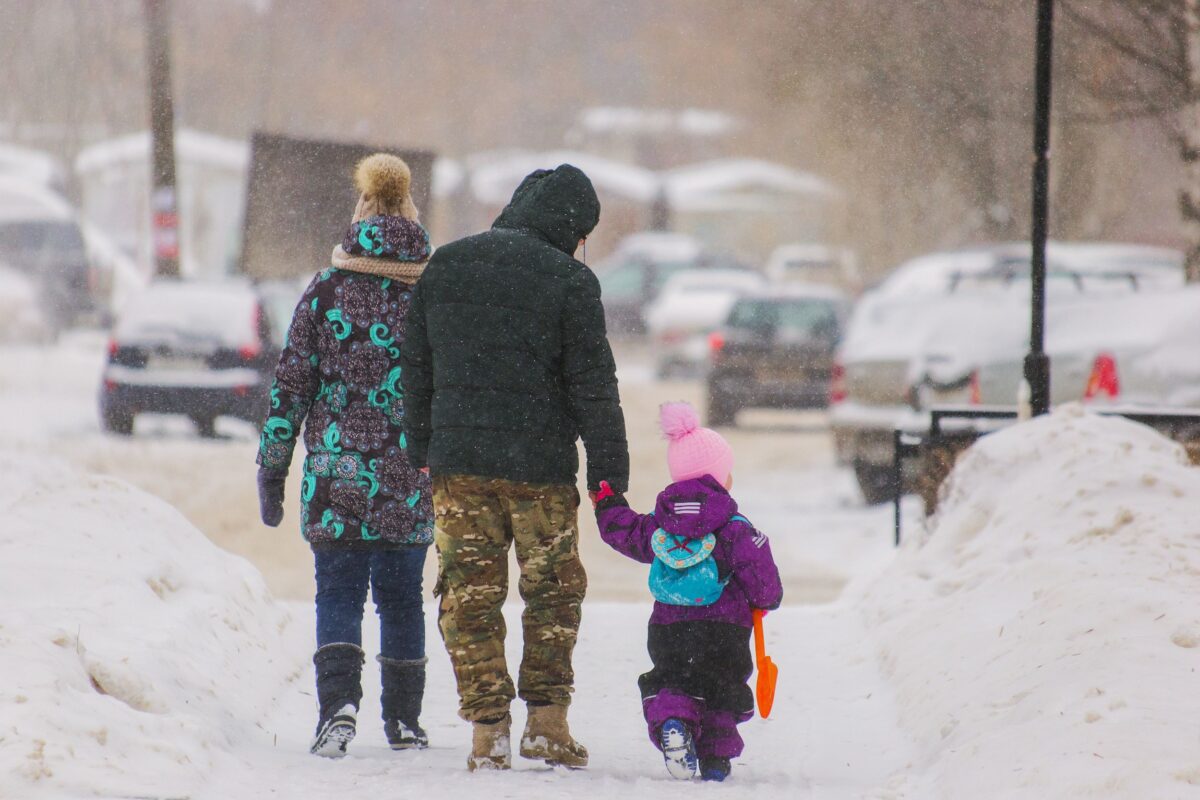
x=933 y=273
x=221 y=311
x=718 y=279
x=24 y=199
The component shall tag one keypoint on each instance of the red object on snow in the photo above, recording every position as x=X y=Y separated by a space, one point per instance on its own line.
x=1104 y=379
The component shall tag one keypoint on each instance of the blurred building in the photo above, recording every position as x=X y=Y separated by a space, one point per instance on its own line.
x=114 y=179
x=741 y=207
x=657 y=138
x=747 y=207
x=471 y=193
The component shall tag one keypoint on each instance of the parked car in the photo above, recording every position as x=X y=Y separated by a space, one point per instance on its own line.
x=21 y=314
x=775 y=350
x=199 y=349
x=636 y=272
x=40 y=237
x=954 y=336
x=692 y=304
x=813 y=263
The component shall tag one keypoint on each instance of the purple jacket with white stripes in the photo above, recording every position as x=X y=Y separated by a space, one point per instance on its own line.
x=694 y=508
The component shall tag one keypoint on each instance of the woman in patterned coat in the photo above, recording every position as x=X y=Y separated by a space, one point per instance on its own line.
x=364 y=509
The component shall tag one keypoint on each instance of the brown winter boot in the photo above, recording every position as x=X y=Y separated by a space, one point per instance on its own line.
x=491 y=747
x=547 y=738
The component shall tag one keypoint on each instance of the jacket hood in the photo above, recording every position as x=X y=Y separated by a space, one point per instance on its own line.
x=694 y=508
x=559 y=204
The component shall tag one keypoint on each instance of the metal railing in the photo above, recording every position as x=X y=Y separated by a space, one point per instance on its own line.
x=908 y=444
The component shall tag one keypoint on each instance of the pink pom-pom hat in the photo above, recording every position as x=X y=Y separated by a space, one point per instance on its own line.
x=693 y=451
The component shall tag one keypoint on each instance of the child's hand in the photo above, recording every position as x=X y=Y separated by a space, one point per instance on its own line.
x=605 y=491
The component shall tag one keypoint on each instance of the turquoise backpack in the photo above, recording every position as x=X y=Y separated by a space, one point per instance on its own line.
x=684 y=572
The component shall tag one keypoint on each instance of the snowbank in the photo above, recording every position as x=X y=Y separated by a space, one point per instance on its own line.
x=1043 y=638
x=133 y=652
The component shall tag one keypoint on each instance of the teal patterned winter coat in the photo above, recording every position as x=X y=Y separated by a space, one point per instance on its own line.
x=339 y=377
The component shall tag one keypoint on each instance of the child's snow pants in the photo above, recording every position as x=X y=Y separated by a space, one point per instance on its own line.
x=699 y=677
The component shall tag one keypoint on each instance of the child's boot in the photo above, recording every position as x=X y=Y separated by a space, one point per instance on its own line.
x=678 y=749
x=339 y=690
x=403 y=685
x=715 y=769
x=547 y=738
x=718 y=743
x=491 y=747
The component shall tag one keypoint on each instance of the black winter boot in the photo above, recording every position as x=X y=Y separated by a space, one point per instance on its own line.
x=339 y=690
x=403 y=690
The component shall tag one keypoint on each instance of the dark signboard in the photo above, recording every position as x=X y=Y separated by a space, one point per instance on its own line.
x=300 y=197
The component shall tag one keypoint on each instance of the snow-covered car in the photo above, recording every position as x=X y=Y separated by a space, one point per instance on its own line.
x=692 y=304
x=21 y=317
x=1140 y=349
x=635 y=273
x=775 y=350
x=199 y=349
x=926 y=341
x=40 y=237
x=813 y=263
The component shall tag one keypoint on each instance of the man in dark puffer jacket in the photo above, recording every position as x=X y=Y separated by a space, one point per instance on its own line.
x=506 y=364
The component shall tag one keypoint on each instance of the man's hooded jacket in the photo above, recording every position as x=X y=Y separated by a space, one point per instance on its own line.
x=506 y=362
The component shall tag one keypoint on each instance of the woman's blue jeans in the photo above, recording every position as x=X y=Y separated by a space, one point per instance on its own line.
x=394 y=577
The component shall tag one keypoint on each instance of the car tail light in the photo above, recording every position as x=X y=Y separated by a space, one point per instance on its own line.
x=716 y=343
x=113 y=347
x=837 y=383
x=253 y=350
x=976 y=396
x=1104 y=379
x=110 y=385
x=241 y=391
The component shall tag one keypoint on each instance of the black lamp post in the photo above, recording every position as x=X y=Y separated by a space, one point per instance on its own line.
x=1037 y=363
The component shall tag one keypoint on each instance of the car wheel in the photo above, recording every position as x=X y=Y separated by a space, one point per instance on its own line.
x=206 y=427
x=722 y=412
x=118 y=422
x=876 y=483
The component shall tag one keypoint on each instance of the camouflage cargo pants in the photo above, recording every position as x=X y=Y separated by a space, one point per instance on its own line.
x=477 y=518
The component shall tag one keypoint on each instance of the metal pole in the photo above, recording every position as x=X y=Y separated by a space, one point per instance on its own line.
x=1037 y=363
x=163 y=201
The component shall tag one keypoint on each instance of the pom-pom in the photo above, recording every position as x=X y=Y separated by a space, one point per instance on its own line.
x=677 y=420
x=383 y=176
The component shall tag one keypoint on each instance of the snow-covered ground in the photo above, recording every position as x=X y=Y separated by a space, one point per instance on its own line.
x=1043 y=637
x=1040 y=639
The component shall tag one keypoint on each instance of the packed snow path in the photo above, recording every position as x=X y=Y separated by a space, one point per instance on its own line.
x=832 y=733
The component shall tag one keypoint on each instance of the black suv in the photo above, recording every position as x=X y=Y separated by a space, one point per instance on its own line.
x=775 y=351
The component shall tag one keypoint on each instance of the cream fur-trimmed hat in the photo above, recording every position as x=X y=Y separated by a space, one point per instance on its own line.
x=384 y=182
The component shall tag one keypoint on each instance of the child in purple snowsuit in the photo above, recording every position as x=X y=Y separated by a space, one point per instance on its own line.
x=697 y=692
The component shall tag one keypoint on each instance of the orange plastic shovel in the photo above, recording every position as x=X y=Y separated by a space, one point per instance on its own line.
x=768 y=673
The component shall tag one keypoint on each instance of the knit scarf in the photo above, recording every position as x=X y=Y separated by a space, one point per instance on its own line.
x=387 y=246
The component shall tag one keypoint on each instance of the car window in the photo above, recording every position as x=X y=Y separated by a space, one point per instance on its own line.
x=662 y=271
x=34 y=242
x=622 y=282
x=808 y=318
